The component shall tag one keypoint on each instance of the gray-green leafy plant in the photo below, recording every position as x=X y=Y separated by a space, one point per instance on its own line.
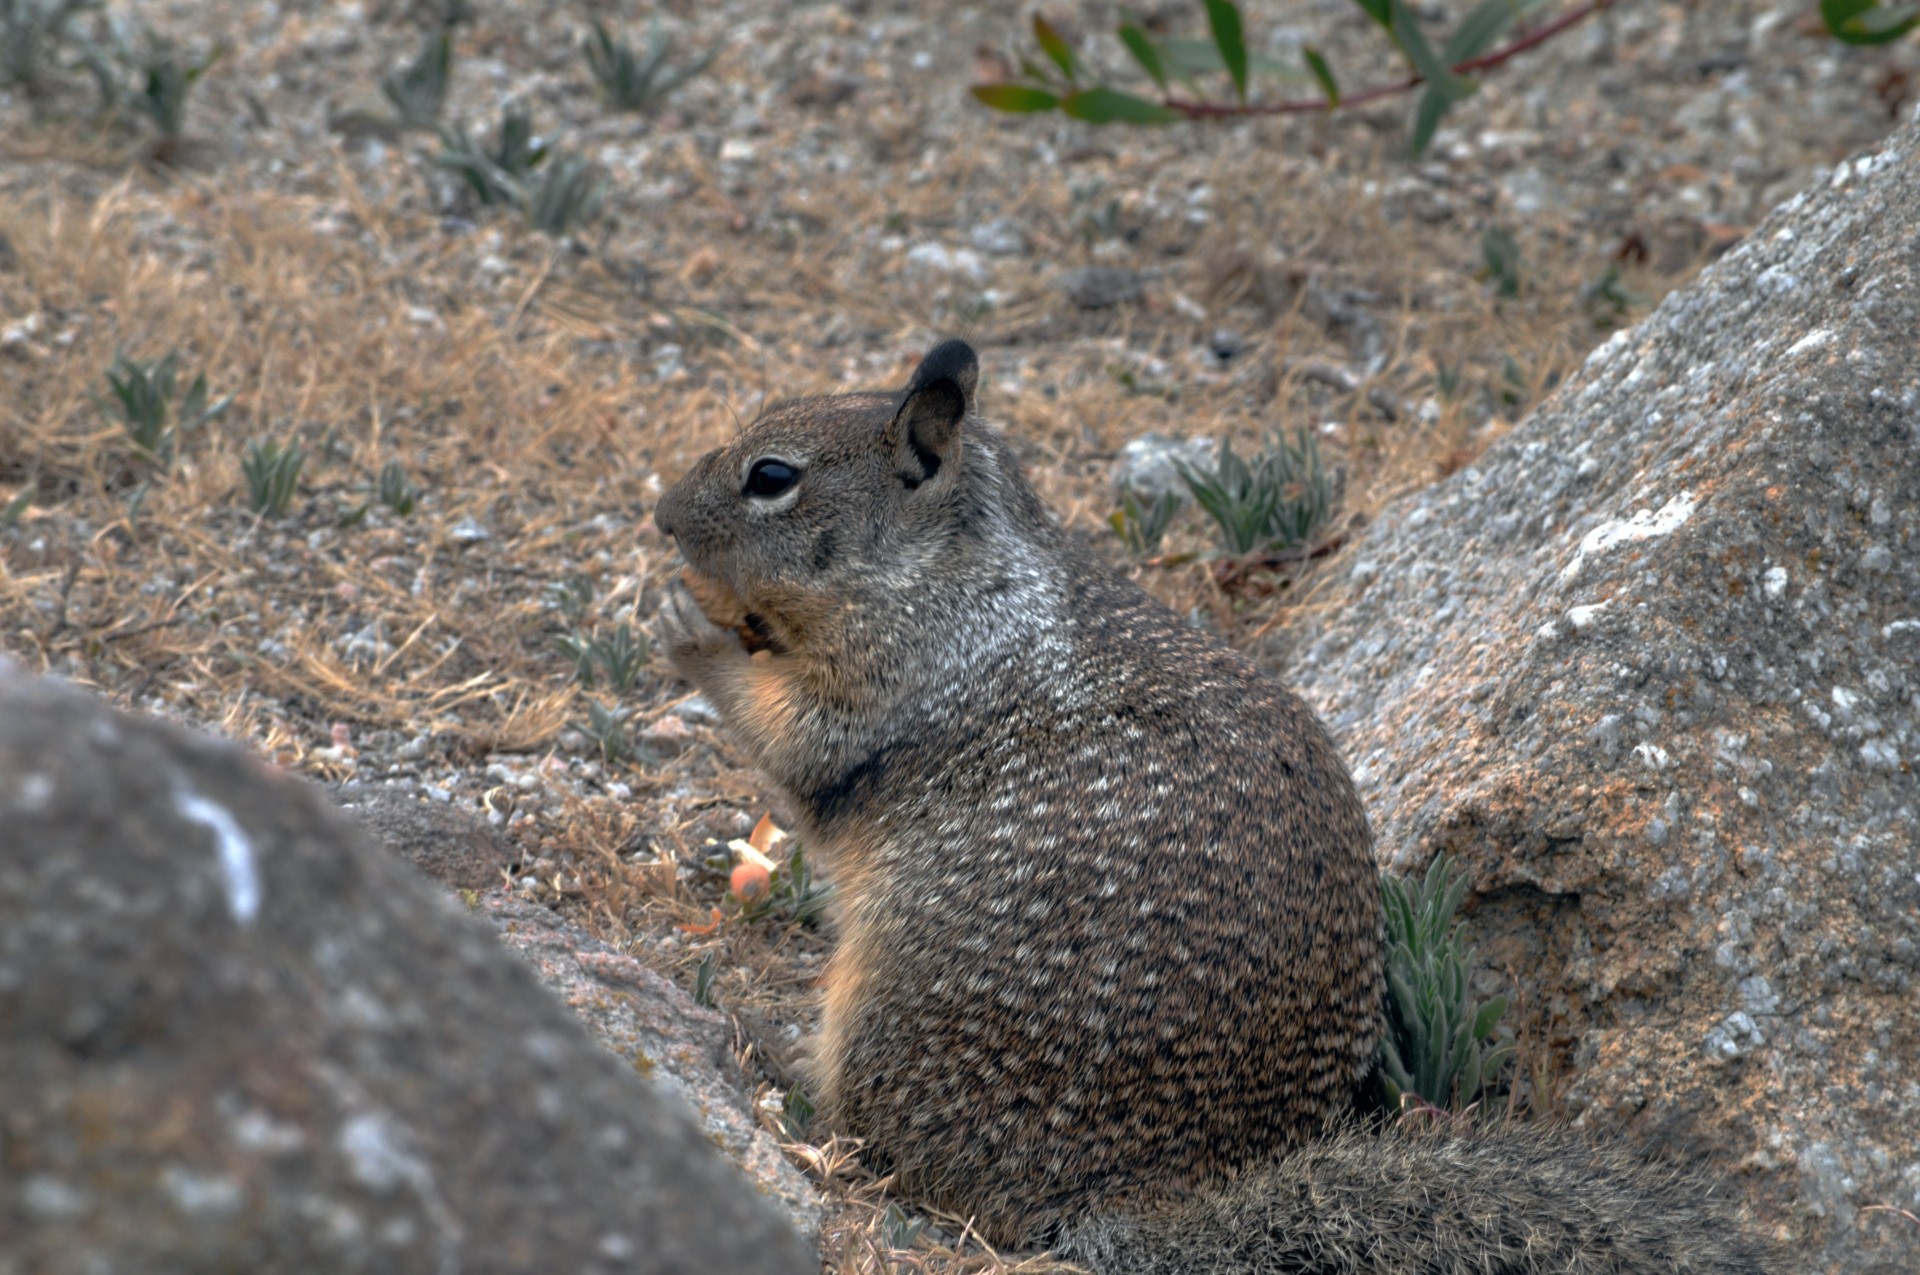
x=606 y=725
x=16 y=508
x=1513 y=383
x=162 y=82
x=1097 y=221
x=500 y=173
x=703 y=980
x=633 y=82
x=1443 y=1045
x=31 y=32
x=796 y=1112
x=1141 y=522
x=619 y=656
x=898 y=1231
x=1608 y=299
x=1444 y=74
x=794 y=893
x=143 y=404
x=573 y=596
x=394 y=490
x=1272 y=502
x=570 y=192
x=418 y=90
x=1500 y=255
x=272 y=472
x=391 y=489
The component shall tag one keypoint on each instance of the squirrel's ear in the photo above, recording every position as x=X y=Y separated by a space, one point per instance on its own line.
x=924 y=434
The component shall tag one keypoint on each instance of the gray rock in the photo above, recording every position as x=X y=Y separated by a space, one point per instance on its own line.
x=238 y=1037
x=1150 y=464
x=454 y=847
x=650 y=1024
x=1652 y=666
x=1095 y=287
x=658 y=1032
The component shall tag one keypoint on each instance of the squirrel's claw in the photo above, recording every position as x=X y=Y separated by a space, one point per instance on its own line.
x=689 y=636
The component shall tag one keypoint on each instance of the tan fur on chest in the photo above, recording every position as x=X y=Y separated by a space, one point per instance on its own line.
x=858 y=953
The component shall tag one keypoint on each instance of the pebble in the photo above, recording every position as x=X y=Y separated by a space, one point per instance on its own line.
x=1000 y=237
x=1095 y=287
x=1150 y=464
x=933 y=258
x=698 y=711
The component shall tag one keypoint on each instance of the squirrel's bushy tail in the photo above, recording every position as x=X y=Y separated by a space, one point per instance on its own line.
x=1516 y=1202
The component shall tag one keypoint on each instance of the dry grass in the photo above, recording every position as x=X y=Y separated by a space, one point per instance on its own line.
x=499 y=416
x=521 y=385
x=501 y=412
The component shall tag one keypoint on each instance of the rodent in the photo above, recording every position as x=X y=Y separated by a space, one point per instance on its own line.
x=1109 y=969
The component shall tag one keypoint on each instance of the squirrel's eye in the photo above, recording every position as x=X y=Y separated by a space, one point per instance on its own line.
x=770 y=477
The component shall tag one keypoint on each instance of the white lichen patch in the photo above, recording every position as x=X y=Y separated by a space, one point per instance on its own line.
x=1811 y=341
x=34 y=793
x=376 y=1157
x=1643 y=525
x=1582 y=618
x=239 y=871
x=1736 y=1035
x=202 y=1194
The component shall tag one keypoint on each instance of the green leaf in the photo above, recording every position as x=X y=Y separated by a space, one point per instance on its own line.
x=1502 y=256
x=1868 y=21
x=1323 y=74
x=1476 y=34
x=1378 y=10
x=1015 y=99
x=1141 y=46
x=196 y=400
x=1056 y=47
x=1413 y=42
x=1224 y=17
x=1489 y=1017
x=1102 y=105
x=17 y=506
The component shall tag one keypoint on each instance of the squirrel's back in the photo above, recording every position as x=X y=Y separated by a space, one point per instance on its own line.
x=1115 y=931
x=1109 y=923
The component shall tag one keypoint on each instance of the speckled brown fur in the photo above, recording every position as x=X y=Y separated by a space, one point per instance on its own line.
x=1109 y=922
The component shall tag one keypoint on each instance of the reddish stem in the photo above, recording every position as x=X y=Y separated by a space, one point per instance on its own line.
x=1298 y=106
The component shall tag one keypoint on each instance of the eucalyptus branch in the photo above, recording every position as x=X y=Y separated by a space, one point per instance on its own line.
x=1445 y=74
x=1301 y=106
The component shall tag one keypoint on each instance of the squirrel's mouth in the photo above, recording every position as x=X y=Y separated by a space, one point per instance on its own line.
x=758 y=635
x=720 y=604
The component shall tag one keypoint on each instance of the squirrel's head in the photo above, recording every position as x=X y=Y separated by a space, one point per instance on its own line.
x=826 y=503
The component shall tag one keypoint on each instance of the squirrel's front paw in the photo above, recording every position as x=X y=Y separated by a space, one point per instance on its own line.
x=695 y=643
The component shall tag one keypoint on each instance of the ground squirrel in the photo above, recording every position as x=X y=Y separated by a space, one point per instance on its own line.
x=1109 y=961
